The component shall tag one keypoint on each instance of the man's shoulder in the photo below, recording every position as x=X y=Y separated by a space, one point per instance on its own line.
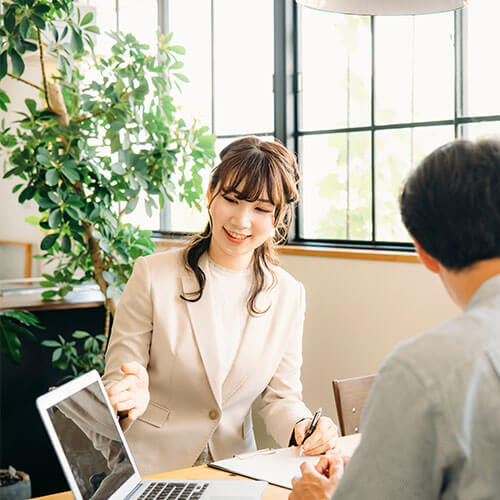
x=440 y=355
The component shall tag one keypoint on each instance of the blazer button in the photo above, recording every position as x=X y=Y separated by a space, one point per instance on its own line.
x=213 y=414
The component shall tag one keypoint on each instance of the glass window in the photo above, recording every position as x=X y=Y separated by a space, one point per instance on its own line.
x=359 y=118
x=243 y=66
x=336 y=186
x=336 y=70
x=482 y=71
x=144 y=26
x=194 y=33
x=414 y=60
x=230 y=71
x=396 y=152
x=481 y=130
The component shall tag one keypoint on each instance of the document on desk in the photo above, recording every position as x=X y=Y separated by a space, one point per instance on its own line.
x=277 y=466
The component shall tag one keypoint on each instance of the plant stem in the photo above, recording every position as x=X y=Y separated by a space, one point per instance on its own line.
x=85 y=118
x=42 y=64
x=99 y=267
x=26 y=82
x=122 y=211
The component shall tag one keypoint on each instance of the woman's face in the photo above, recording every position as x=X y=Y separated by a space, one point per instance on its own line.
x=239 y=227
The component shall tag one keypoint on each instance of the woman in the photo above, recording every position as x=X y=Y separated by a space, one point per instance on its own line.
x=200 y=333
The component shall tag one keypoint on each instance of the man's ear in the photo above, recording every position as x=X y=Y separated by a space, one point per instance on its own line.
x=427 y=260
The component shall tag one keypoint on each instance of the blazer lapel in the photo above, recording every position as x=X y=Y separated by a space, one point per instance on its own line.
x=253 y=344
x=204 y=325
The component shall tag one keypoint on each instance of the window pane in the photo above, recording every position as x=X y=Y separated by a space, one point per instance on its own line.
x=105 y=18
x=482 y=70
x=414 y=65
x=181 y=218
x=143 y=26
x=396 y=152
x=193 y=33
x=336 y=186
x=335 y=54
x=244 y=66
x=474 y=131
x=139 y=216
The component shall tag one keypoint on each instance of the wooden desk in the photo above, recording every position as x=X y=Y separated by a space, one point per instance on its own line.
x=202 y=472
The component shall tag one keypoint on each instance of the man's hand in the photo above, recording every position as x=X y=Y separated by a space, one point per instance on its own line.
x=321 y=440
x=315 y=485
x=131 y=394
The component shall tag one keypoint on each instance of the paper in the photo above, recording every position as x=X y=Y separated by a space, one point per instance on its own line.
x=278 y=466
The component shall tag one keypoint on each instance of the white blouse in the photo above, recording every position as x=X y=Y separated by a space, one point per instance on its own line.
x=230 y=291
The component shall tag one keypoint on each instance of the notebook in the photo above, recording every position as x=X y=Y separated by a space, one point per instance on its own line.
x=95 y=456
x=278 y=466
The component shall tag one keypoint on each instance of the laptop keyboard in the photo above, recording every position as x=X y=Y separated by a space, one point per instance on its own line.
x=173 y=491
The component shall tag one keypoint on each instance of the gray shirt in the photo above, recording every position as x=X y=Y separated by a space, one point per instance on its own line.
x=431 y=424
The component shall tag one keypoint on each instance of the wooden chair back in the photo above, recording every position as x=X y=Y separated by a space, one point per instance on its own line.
x=350 y=395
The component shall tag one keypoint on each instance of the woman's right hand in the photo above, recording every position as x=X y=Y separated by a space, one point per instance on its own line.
x=131 y=394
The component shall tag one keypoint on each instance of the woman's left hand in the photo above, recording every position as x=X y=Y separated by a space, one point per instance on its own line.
x=321 y=440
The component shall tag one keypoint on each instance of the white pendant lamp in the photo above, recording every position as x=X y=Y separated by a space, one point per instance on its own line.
x=384 y=7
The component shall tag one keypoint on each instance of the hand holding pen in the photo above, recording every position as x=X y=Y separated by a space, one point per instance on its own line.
x=316 y=438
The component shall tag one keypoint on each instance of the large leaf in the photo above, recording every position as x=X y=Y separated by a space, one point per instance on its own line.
x=66 y=244
x=55 y=218
x=43 y=157
x=17 y=63
x=87 y=18
x=69 y=170
x=49 y=240
x=178 y=49
x=10 y=19
x=76 y=40
x=31 y=105
x=52 y=177
x=3 y=64
x=182 y=77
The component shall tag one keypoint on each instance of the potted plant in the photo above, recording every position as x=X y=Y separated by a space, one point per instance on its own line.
x=14 y=485
x=96 y=146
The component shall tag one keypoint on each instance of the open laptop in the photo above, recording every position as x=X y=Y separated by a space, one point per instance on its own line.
x=95 y=456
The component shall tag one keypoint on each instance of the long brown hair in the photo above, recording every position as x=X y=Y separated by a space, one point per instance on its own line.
x=250 y=167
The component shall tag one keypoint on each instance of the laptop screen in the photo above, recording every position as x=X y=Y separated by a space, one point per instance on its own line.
x=88 y=434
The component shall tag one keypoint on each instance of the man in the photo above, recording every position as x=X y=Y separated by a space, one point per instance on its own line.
x=431 y=425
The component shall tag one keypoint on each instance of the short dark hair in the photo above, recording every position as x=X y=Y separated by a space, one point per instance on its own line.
x=450 y=203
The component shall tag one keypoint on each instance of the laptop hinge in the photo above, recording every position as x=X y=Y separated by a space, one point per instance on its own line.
x=134 y=491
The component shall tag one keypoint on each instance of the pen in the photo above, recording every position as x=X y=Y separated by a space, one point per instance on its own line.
x=311 y=429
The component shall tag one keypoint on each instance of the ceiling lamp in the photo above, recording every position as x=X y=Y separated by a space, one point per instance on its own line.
x=384 y=7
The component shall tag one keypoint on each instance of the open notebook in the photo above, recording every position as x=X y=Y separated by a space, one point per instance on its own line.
x=277 y=466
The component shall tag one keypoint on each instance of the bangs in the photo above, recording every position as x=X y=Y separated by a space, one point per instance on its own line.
x=254 y=180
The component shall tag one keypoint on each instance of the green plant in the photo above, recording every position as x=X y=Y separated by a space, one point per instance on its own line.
x=81 y=354
x=11 y=329
x=96 y=145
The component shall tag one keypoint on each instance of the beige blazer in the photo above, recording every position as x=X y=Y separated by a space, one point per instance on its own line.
x=190 y=404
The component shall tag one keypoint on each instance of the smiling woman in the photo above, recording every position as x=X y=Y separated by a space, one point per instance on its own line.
x=192 y=325
x=250 y=195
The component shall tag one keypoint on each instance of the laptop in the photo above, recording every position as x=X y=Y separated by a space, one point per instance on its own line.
x=95 y=456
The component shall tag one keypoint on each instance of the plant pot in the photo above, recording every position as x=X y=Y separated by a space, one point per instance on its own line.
x=18 y=490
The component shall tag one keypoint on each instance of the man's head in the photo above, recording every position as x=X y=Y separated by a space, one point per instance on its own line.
x=450 y=204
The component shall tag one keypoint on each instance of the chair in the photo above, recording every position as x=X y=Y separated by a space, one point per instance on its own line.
x=350 y=395
x=15 y=262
